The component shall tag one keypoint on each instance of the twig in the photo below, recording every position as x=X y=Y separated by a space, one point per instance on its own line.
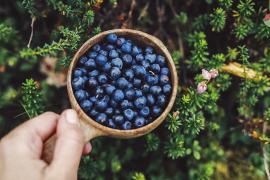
x=144 y=11
x=265 y=157
x=130 y=13
x=32 y=31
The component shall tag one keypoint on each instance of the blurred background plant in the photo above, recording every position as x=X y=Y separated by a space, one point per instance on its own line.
x=222 y=133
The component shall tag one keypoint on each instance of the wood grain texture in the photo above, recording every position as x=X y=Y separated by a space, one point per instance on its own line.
x=90 y=127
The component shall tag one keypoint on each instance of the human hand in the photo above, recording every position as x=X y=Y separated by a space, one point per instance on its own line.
x=21 y=149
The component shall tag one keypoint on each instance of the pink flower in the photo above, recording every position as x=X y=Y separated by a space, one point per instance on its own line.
x=214 y=73
x=206 y=75
x=202 y=87
x=266 y=17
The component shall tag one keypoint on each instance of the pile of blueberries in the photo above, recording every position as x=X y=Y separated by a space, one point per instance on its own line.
x=121 y=85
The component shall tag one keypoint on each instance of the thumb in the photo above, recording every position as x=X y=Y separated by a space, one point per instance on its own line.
x=69 y=145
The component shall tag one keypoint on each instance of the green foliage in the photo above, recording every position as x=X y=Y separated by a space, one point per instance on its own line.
x=32 y=100
x=182 y=17
x=174 y=147
x=6 y=32
x=152 y=142
x=225 y=3
x=218 y=19
x=138 y=176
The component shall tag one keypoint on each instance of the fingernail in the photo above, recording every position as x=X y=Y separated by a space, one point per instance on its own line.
x=71 y=116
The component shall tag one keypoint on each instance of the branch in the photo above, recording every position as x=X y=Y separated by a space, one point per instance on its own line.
x=32 y=31
x=265 y=156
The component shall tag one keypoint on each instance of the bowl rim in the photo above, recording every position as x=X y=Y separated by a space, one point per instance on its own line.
x=117 y=132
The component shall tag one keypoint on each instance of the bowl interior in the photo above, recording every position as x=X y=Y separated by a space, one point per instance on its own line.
x=140 y=38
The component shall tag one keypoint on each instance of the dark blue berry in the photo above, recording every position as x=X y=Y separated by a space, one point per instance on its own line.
x=165 y=71
x=139 y=71
x=120 y=41
x=138 y=93
x=127 y=59
x=107 y=67
x=118 y=95
x=167 y=89
x=155 y=68
x=150 y=57
x=109 y=111
x=93 y=73
x=92 y=54
x=129 y=93
x=130 y=85
x=113 y=54
x=161 y=60
x=149 y=50
x=86 y=105
x=136 y=50
x=127 y=125
x=96 y=47
x=156 y=90
x=137 y=82
x=126 y=104
x=101 y=60
x=78 y=72
x=126 y=48
x=118 y=119
x=156 y=111
x=78 y=83
x=151 y=79
x=102 y=79
x=150 y=99
x=161 y=100
x=145 y=88
x=82 y=60
x=121 y=83
x=139 y=122
x=139 y=57
x=101 y=118
x=81 y=95
x=103 y=52
x=145 y=64
x=113 y=103
x=111 y=38
x=129 y=114
x=90 y=63
x=109 y=89
x=164 y=79
x=102 y=104
x=129 y=74
x=109 y=47
x=92 y=82
x=111 y=124
x=140 y=102
x=115 y=73
x=93 y=113
x=117 y=62
x=93 y=99
x=145 y=111
x=99 y=91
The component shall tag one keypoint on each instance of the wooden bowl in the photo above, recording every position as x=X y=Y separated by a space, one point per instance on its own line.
x=89 y=126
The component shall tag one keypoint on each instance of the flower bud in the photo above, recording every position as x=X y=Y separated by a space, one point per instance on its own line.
x=202 y=87
x=213 y=73
x=206 y=75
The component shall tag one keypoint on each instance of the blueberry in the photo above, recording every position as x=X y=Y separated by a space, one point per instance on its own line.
x=126 y=48
x=156 y=111
x=127 y=59
x=109 y=89
x=150 y=57
x=145 y=111
x=93 y=73
x=113 y=54
x=93 y=113
x=96 y=47
x=137 y=82
x=93 y=99
x=130 y=85
x=129 y=114
x=129 y=93
x=118 y=95
x=101 y=60
x=115 y=73
x=113 y=103
x=164 y=79
x=145 y=88
x=145 y=64
x=120 y=41
x=139 y=122
x=126 y=104
x=127 y=125
x=118 y=119
x=92 y=54
x=117 y=112
x=138 y=93
x=78 y=83
x=99 y=91
x=149 y=50
x=101 y=118
x=129 y=74
x=139 y=71
x=165 y=71
x=109 y=111
x=122 y=83
x=103 y=52
x=81 y=95
x=111 y=38
x=139 y=57
x=167 y=89
x=78 y=72
x=136 y=50
x=107 y=67
x=151 y=79
x=86 y=105
x=111 y=124
x=161 y=100
x=156 y=90
x=102 y=79
x=85 y=78
x=102 y=104
x=161 y=60
x=90 y=64
x=150 y=99
x=82 y=60
x=117 y=62
x=92 y=82
x=140 y=102
x=109 y=47
x=155 y=68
